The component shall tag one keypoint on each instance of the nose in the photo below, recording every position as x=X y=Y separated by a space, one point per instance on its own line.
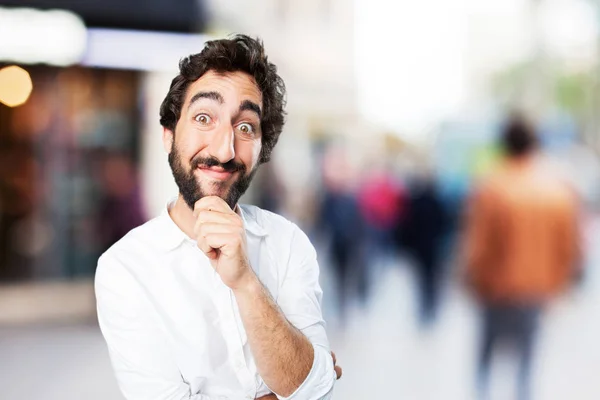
x=222 y=144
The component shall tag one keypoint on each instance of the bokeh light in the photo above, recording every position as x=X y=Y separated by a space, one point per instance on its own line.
x=15 y=86
x=30 y=36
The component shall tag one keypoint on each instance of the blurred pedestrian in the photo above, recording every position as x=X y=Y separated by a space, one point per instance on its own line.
x=421 y=235
x=521 y=247
x=340 y=220
x=381 y=198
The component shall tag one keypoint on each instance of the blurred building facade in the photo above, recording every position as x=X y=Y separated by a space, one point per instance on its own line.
x=70 y=156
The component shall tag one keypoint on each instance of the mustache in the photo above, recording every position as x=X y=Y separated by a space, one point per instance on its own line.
x=208 y=162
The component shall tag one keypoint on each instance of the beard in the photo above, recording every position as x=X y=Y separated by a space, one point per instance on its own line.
x=191 y=190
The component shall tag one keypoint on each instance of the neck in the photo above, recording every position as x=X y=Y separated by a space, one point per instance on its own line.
x=183 y=216
x=521 y=158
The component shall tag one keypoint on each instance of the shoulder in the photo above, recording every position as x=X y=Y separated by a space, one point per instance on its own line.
x=481 y=189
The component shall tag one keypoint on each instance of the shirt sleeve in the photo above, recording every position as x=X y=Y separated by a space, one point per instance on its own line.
x=300 y=299
x=138 y=350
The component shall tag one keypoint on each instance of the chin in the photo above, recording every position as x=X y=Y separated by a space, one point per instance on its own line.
x=220 y=189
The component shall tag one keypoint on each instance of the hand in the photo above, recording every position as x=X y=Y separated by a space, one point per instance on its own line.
x=220 y=234
x=338 y=369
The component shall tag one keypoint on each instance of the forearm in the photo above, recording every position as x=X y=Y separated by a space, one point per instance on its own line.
x=283 y=355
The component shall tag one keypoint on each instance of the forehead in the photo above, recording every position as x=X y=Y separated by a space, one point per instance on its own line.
x=233 y=86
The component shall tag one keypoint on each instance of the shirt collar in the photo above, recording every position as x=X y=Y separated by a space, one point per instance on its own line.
x=251 y=220
x=171 y=236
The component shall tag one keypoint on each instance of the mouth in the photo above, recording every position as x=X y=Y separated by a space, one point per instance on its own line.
x=216 y=173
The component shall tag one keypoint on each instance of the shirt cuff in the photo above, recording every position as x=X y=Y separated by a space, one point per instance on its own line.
x=319 y=383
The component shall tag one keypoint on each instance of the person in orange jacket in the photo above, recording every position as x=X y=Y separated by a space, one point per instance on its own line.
x=521 y=247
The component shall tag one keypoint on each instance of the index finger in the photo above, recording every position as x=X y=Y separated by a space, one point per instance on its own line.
x=212 y=203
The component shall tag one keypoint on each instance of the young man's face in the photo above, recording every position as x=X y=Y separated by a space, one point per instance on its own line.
x=217 y=141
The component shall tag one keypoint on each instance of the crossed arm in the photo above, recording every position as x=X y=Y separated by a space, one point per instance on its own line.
x=338 y=375
x=285 y=357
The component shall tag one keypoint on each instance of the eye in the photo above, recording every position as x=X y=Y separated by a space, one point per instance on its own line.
x=246 y=128
x=204 y=119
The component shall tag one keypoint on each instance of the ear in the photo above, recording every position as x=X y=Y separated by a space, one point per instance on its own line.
x=168 y=137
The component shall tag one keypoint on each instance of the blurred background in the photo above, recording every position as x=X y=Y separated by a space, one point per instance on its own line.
x=394 y=114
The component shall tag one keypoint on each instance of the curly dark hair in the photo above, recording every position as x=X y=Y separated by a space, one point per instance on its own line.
x=240 y=53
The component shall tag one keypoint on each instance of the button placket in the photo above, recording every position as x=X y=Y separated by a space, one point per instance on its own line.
x=232 y=337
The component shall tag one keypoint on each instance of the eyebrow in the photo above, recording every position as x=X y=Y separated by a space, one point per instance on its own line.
x=251 y=106
x=216 y=96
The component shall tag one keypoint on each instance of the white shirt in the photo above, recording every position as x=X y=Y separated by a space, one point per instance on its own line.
x=173 y=328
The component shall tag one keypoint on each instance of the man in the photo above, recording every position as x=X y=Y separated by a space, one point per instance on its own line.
x=213 y=299
x=521 y=248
